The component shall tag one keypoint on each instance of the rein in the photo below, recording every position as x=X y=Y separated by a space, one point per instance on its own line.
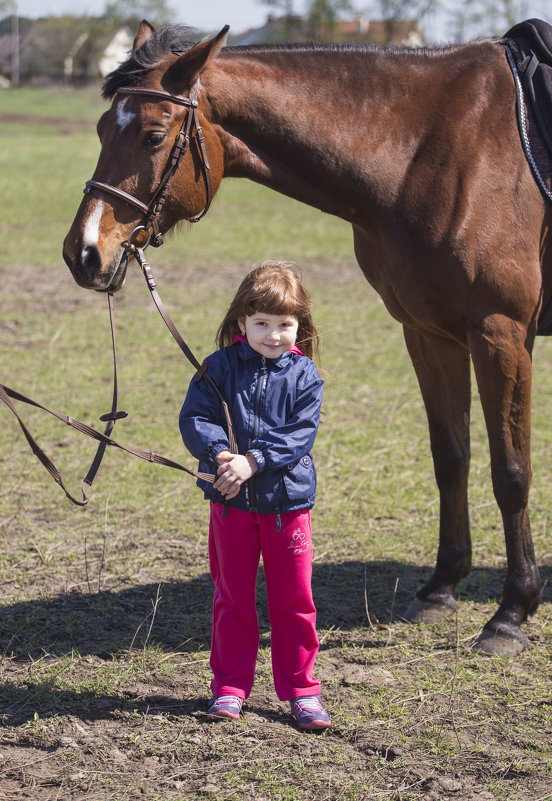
x=151 y=228
x=138 y=253
x=7 y=395
x=152 y=210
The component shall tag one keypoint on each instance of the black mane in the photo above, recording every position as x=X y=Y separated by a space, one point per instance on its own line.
x=169 y=38
x=342 y=47
x=176 y=39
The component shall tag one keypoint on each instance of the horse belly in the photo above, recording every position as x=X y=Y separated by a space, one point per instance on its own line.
x=444 y=272
x=424 y=292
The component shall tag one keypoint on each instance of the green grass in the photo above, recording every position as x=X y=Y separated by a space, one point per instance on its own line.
x=104 y=630
x=86 y=104
x=43 y=177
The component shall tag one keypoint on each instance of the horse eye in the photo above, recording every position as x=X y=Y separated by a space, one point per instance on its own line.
x=154 y=138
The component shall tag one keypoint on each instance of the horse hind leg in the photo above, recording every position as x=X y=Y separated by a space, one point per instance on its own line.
x=502 y=363
x=443 y=370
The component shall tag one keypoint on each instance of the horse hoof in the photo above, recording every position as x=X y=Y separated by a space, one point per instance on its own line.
x=429 y=611
x=502 y=640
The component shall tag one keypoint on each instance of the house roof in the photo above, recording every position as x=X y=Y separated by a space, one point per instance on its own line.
x=359 y=29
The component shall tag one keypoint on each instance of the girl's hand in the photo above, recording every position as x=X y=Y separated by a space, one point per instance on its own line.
x=233 y=470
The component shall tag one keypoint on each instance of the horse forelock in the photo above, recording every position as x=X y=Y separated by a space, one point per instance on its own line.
x=165 y=41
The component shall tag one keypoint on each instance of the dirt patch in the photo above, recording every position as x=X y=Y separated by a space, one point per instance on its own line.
x=53 y=290
x=64 y=125
x=104 y=644
x=136 y=728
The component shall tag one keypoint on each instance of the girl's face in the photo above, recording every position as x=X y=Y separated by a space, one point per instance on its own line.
x=271 y=335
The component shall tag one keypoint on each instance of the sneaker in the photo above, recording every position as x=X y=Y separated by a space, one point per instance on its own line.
x=224 y=706
x=309 y=712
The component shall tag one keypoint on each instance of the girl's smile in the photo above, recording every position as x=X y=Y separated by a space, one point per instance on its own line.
x=271 y=335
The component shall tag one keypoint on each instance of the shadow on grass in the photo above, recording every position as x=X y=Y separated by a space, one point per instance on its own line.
x=177 y=617
x=20 y=705
x=85 y=706
x=105 y=623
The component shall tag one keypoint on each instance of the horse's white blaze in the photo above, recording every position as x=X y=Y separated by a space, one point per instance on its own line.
x=92 y=228
x=124 y=118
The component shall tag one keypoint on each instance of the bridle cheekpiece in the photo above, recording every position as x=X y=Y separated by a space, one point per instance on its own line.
x=190 y=124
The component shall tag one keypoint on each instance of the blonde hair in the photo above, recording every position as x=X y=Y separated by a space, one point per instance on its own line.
x=272 y=287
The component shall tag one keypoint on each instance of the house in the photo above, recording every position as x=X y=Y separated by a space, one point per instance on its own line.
x=116 y=51
x=381 y=32
x=13 y=32
x=82 y=49
x=63 y=49
x=358 y=29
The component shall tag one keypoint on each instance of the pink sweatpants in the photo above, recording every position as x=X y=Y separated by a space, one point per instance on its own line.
x=235 y=545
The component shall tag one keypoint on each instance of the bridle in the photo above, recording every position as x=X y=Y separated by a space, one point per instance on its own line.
x=190 y=125
x=150 y=226
x=153 y=236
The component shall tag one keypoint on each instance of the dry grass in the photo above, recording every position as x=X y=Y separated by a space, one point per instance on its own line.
x=105 y=618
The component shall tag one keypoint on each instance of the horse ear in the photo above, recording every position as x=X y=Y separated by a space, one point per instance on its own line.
x=195 y=60
x=144 y=32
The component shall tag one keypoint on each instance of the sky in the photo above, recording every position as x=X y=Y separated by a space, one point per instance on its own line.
x=206 y=15
x=212 y=15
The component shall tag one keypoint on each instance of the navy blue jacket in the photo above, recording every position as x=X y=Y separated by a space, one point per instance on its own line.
x=275 y=408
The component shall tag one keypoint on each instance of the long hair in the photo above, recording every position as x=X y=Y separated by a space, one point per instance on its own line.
x=273 y=287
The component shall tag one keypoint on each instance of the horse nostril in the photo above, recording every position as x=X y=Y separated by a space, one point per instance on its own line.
x=91 y=260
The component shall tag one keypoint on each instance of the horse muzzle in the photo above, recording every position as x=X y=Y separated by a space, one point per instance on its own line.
x=89 y=270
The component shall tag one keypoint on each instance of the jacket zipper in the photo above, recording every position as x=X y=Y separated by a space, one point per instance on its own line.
x=251 y=497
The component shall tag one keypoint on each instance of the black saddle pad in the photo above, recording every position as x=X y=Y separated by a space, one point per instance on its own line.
x=530 y=44
x=532 y=50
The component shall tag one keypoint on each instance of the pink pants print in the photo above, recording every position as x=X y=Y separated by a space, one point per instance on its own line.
x=235 y=545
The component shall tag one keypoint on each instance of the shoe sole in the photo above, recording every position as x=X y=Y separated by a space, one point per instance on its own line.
x=315 y=724
x=222 y=716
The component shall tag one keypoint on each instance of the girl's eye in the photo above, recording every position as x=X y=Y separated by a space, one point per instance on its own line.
x=154 y=138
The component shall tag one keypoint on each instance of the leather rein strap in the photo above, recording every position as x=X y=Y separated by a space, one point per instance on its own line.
x=201 y=368
x=190 y=124
x=7 y=394
x=151 y=211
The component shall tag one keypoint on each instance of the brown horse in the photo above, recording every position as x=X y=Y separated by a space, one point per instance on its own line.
x=420 y=152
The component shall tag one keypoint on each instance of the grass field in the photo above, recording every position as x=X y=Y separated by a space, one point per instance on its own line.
x=105 y=618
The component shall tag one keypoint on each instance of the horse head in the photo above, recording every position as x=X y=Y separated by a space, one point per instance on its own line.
x=160 y=161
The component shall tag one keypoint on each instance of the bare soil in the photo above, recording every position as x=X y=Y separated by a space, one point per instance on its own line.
x=64 y=125
x=95 y=704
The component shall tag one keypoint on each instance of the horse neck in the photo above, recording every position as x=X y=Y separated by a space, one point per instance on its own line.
x=308 y=122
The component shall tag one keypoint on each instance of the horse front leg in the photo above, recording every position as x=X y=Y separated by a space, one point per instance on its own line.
x=502 y=362
x=443 y=370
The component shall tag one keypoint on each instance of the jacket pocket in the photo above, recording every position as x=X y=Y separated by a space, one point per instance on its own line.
x=300 y=479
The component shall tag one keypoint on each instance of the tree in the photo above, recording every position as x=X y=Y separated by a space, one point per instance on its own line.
x=131 y=12
x=406 y=9
x=10 y=7
x=289 y=17
x=477 y=18
x=322 y=16
x=286 y=6
x=393 y=11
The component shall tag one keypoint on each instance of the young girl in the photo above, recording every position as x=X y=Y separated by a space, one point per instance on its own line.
x=261 y=498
